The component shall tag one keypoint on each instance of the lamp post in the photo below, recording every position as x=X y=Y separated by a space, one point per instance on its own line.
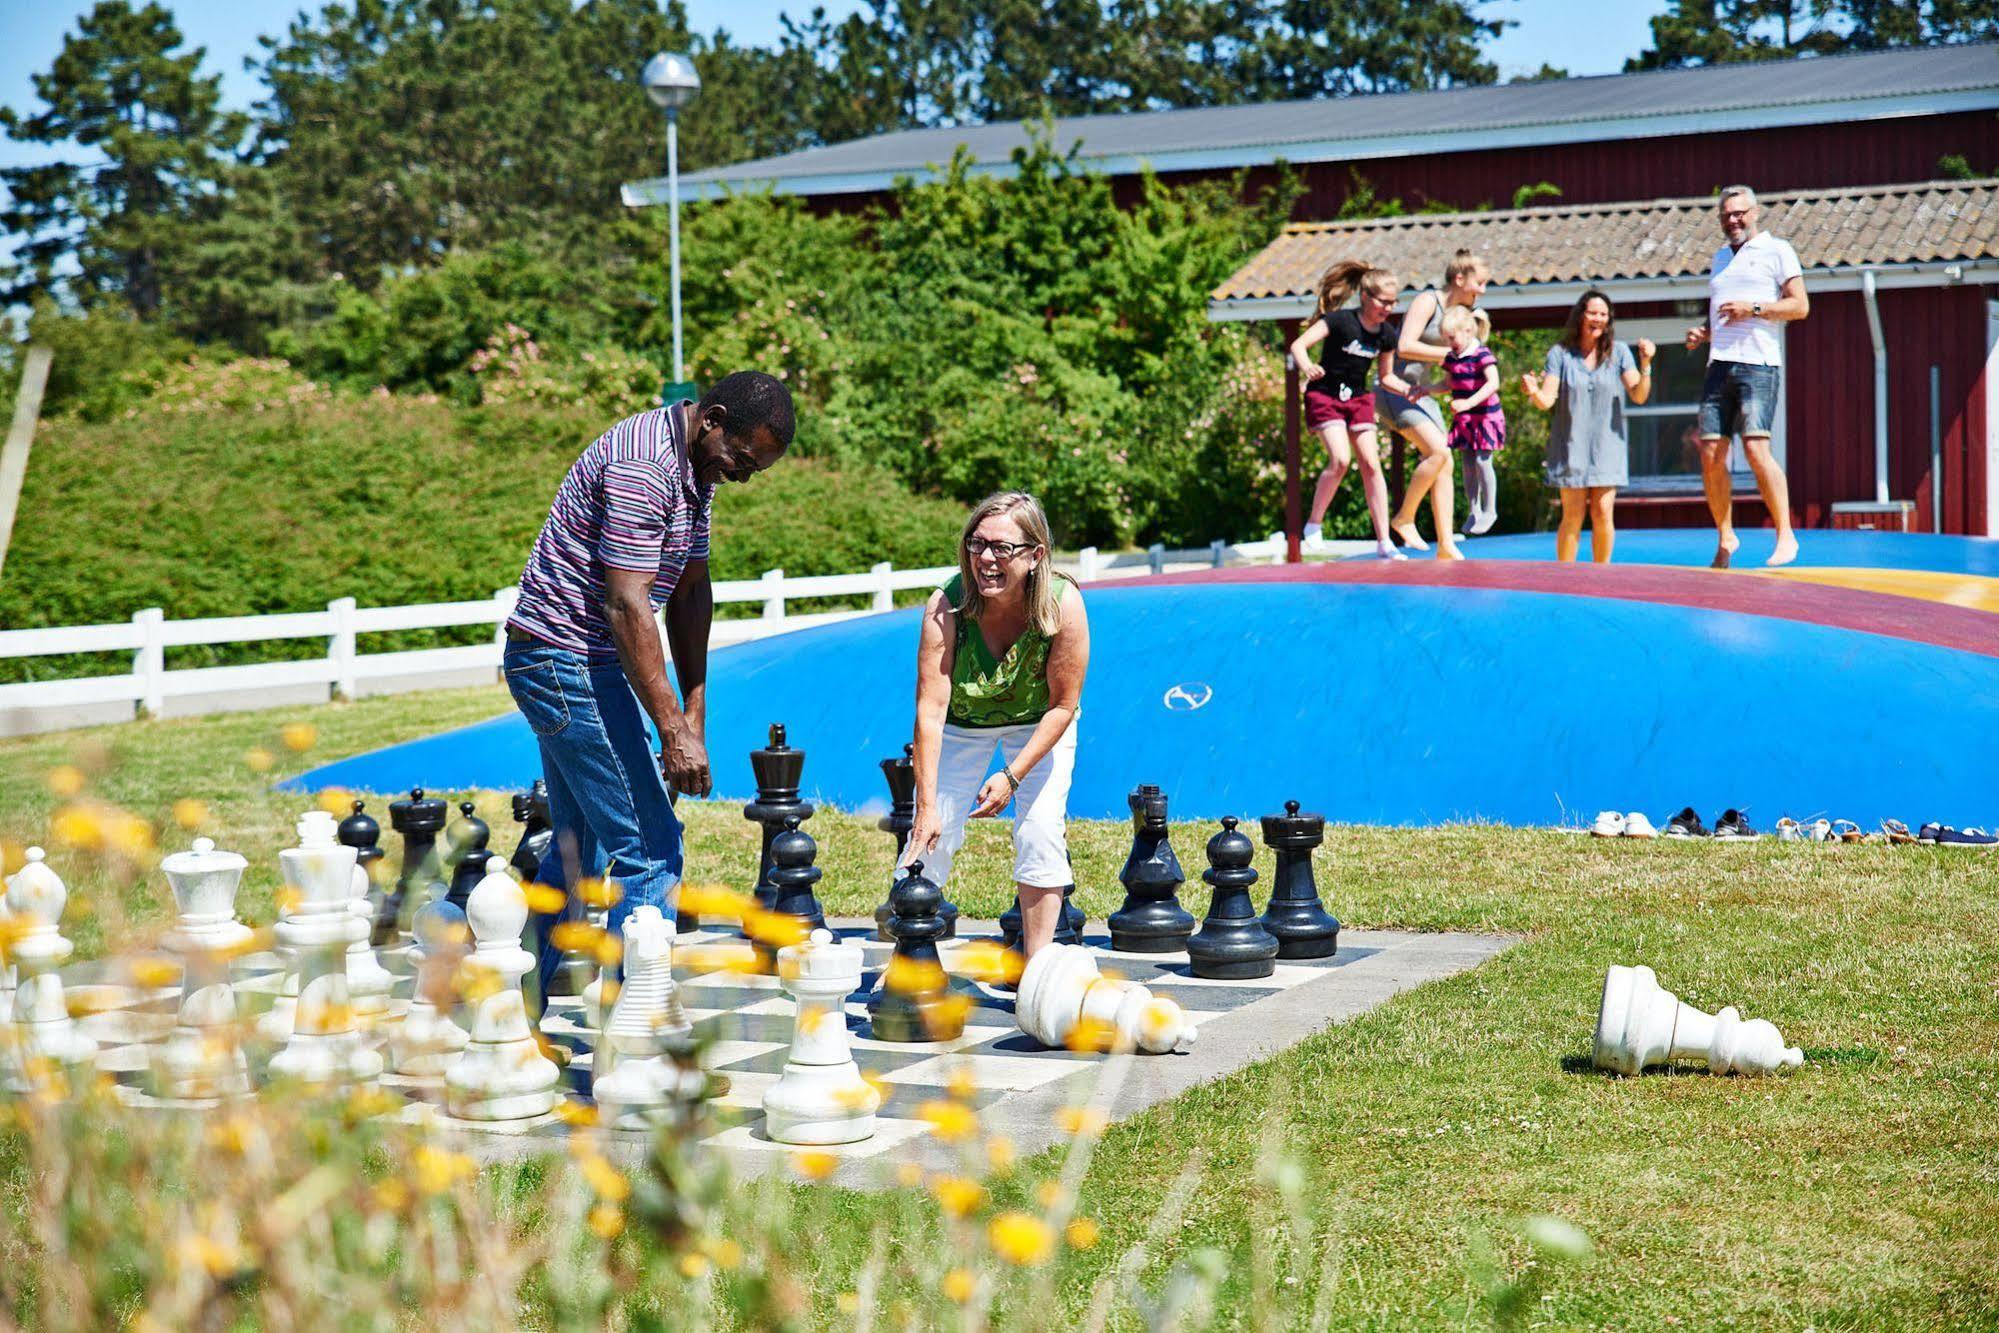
x=670 y=81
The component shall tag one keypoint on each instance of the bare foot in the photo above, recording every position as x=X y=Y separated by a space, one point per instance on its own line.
x=1449 y=552
x=1409 y=536
x=1786 y=551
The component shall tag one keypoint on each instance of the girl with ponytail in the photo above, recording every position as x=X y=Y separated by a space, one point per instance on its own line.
x=1338 y=404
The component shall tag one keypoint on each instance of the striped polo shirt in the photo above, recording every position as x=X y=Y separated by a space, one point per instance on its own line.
x=630 y=502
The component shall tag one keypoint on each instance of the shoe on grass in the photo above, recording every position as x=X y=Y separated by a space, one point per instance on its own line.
x=1686 y=824
x=1734 y=826
x=1788 y=830
x=1609 y=824
x=1927 y=834
x=1896 y=832
x=1971 y=837
x=1636 y=825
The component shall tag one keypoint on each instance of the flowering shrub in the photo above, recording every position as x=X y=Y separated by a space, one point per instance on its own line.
x=513 y=368
x=245 y=384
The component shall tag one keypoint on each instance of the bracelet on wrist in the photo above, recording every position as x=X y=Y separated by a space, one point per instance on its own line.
x=1006 y=771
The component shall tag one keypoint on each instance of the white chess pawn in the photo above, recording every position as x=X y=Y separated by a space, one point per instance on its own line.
x=203 y=1057
x=1064 y=1000
x=1639 y=1024
x=323 y=1045
x=593 y=990
x=632 y=1077
x=43 y=1036
x=368 y=982
x=501 y=1074
x=428 y=1039
x=821 y=1096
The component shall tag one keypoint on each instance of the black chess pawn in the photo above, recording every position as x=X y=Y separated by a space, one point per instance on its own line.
x=900 y=819
x=777 y=768
x=792 y=876
x=419 y=819
x=1152 y=919
x=465 y=852
x=1231 y=944
x=914 y=1000
x=537 y=830
x=1303 y=927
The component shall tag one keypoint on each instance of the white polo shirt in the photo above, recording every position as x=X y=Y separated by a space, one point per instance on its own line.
x=1756 y=272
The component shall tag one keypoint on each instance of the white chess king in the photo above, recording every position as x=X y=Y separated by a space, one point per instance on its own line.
x=1064 y=999
x=1640 y=1024
x=821 y=1097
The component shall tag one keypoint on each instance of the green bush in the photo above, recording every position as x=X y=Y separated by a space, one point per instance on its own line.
x=104 y=362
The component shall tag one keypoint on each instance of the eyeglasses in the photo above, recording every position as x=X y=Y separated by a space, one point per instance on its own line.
x=1002 y=551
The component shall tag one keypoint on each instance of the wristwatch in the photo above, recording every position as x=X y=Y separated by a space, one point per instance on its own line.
x=1756 y=309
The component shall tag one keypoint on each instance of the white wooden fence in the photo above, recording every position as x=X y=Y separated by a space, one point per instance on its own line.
x=346 y=672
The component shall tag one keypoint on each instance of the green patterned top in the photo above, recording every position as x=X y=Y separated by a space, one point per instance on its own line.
x=1002 y=693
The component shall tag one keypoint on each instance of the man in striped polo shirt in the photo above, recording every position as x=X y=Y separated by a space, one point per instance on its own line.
x=627 y=534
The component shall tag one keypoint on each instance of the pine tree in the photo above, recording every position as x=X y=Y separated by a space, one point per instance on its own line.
x=1715 y=32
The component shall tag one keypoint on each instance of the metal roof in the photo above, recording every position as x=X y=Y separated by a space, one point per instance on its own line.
x=1806 y=91
x=1909 y=234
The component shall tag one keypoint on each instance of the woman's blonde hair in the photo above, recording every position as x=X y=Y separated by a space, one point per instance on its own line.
x=1042 y=612
x=1462 y=317
x=1348 y=276
x=1462 y=263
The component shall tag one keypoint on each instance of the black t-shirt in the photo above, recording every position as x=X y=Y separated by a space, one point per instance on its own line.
x=1350 y=350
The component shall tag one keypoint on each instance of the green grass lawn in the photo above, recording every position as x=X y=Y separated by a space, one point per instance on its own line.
x=1378 y=1174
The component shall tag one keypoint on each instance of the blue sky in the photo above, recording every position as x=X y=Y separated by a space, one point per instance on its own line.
x=1582 y=36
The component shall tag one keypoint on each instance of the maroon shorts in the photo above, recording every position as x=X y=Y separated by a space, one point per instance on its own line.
x=1323 y=408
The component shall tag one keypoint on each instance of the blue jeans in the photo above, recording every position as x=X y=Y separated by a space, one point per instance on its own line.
x=1738 y=398
x=606 y=799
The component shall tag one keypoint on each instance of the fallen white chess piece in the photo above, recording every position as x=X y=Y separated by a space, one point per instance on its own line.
x=1065 y=1000
x=1639 y=1024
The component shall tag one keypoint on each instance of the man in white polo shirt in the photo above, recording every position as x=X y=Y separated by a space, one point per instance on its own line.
x=1754 y=284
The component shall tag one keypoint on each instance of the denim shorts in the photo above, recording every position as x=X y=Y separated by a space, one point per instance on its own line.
x=1738 y=398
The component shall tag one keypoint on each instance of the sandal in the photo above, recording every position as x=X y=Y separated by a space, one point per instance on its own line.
x=1845 y=830
x=1896 y=832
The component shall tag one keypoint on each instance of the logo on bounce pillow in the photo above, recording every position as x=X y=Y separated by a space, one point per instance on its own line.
x=1187 y=696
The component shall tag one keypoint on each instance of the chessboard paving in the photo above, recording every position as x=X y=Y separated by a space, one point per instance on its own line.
x=745 y=1022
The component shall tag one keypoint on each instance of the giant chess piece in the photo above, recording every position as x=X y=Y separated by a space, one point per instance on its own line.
x=203 y=1057
x=1302 y=926
x=537 y=832
x=1231 y=944
x=792 y=876
x=636 y=1082
x=322 y=1044
x=8 y=976
x=1152 y=919
x=1068 y=925
x=913 y=1001
x=44 y=1039
x=1640 y=1024
x=368 y=983
x=821 y=1097
x=777 y=768
x=900 y=773
x=419 y=819
x=1064 y=1000
x=465 y=852
x=501 y=1074
x=428 y=1038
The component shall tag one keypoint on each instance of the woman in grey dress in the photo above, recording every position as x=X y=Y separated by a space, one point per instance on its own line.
x=1587 y=377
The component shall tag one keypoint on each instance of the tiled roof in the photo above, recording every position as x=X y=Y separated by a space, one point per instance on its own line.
x=1931 y=222
x=1810 y=90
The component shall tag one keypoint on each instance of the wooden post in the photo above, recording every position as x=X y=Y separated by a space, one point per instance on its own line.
x=1395 y=481
x=1294 y=520
x=20 y=439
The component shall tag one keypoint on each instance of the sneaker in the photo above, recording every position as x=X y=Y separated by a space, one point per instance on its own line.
x=1927 y=834
x=1971 y=837
x=1387 y=551
x=1686 y=824
x=1820 y=830
x=1636 y=825
x=1609 y=824
x=1313 y=540
x=1733 y=826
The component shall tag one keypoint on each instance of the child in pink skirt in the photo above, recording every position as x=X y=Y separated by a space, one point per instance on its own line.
x=1478 y=425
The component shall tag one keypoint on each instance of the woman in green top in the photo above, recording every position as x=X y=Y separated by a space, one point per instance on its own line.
x=1000 y=667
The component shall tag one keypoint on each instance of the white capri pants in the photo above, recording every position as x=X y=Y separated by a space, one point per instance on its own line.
x=1040 y=807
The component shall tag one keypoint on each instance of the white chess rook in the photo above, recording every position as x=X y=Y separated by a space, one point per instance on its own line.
x=501 y=1074
x=43 y=1037
x=318 y=925
x=1639 y=1024
x=821 y=1097
x=428 y=1038
x=632 y=1077
x=1063 y=999
x=203 y=1057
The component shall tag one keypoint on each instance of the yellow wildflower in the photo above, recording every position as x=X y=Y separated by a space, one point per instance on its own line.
x=66 y=780
x=960 y=1083
x=578 y=1114
x=574 y=936
x=129 y=835
x=1049 y=1193
x=545 y=900
x=725 y=1252
x=1021 y=1239
x=692 y=1266
x=953 y=1122
x=714 y=900
x=437 y=1169
x=153 y=973
x=814 y=1163
x=392 y=1194
x=958 y=1195
x=849 y=1302
x=1082 y=1233
x=599 y=892
x=13 y=856
x=609 y=1182
x=1084 y=1122
x=1091 y=1034
x=607 y=1221
x=610 y=950
x=959 y=1286
x=908 y=976
x=909 y=1175
x=336 y=801
x=298 y=736
x=999 y=1152
x=77 y=826
x=259 y=759
x=774 y=930
x=190 y=813
x=988 y=961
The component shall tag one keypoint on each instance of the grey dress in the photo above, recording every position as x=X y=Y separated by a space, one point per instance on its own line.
x=1587 y=444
